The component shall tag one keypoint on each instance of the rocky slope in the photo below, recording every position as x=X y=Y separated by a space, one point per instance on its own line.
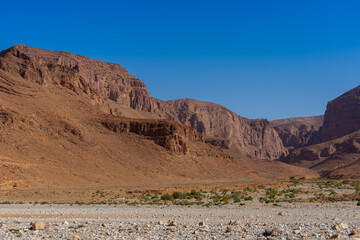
x=298 y=132
x=337 y=153
x=229 y=130
x=336 y=158
x=56 y=130
x=113 y=90
x=342 y=116
x=52 y=136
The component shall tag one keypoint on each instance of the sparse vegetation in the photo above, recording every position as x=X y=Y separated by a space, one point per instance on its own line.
x=249 y=198
x=166 y=197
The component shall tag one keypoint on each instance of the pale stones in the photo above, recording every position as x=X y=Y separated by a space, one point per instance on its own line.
x=274 y=232
x=37 y=225
x=355 y=232
x=343 y=226
x=234 y=222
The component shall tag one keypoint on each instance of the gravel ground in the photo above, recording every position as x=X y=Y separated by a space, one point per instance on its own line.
x=252 y=221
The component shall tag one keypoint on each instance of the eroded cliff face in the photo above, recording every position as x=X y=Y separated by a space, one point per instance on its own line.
x=113 y=90
x=342 y=116
x=170 y=135
x=335 y=158
x=298 y=132
x=253 y=136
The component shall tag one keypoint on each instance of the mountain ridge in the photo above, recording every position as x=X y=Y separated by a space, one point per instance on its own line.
x=116 y=91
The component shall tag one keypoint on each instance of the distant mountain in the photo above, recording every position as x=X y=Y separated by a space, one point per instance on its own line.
x=253 y=136
x=335 y=158
x=298 y=132
x=337 y=153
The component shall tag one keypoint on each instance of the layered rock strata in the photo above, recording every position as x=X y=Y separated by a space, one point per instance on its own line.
x=113 y=90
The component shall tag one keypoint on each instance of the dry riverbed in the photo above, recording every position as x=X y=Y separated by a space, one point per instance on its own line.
x=252 y=221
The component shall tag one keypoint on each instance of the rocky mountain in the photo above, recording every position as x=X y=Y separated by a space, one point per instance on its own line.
x=337 y=153
x=336 y=158
x=113 y=90
x=299 y=131
x=64 y=122
x=52 y=133
x=342 y=116
x=229 y=130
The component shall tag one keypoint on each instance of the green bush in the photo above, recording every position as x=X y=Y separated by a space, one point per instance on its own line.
x=262 y=199
x=358 y=203
x=292 y=195
x=144 y=197
x=249 y=198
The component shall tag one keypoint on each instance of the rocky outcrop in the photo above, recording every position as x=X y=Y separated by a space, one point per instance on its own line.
x=170 y=135
x=253 y=136
x=298 y=132
x=113 y=90
x=342 y=116
x=331 y=157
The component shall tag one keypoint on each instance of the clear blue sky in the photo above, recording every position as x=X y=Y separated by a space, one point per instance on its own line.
x=260 y=58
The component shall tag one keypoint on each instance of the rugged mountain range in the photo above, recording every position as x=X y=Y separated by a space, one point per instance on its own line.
x=337 y=152
x=70 y=121
x=112 y=89
x=62 y=111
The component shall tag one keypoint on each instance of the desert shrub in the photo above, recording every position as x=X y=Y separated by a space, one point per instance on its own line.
x=144 y=197
x=166 y=196
x=292 y=195
x=179 y=195
x=216 y=198
x=247 y=189
x=271 y=192
x=358 y=203
x=357 y=187
x=224 y=191
x=155 y=197
x=236 y=195
x=226 y=198
x=261 y=186
x=249 y=198
x=262 y=199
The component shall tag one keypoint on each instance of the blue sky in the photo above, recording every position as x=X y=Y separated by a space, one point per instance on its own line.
x=261 y=59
